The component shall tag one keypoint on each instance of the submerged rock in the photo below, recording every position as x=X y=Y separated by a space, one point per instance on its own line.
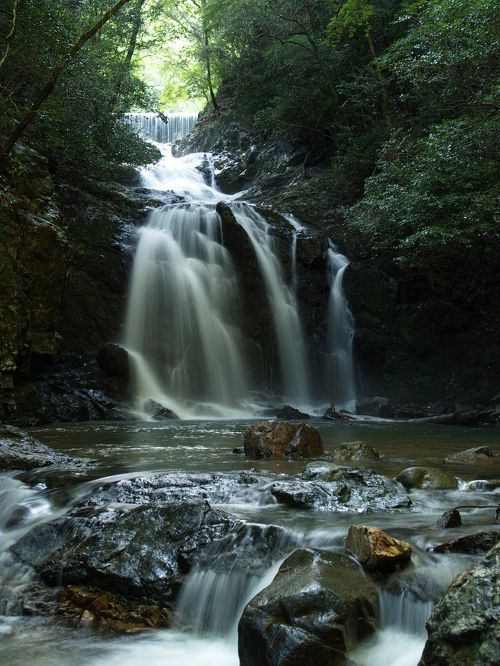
x=316 y=609
x=138 y=552
x=377 y=550
x=288 y=412
x=279 y=439
x=355 y=451
x=464 y=627
x=20 y=451
x=478 y=454
x=426 y=478
x=476 y=543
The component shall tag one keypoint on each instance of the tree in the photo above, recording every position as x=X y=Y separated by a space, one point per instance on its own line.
x=56 y=73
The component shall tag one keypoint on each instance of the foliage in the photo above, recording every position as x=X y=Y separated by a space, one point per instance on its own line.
x=79 y=126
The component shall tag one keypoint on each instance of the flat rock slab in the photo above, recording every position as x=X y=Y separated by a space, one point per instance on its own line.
x=426 y=478
x=20 y=451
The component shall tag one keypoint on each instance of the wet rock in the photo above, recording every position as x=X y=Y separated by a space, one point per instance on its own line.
x=288 y=412
x=476 y=543
x=316 y=609
x=375 y=406
x=109 y=612
x=483 y=485
x=450 y=518
x=377 y=550
x=464 y=627
x=355 y=451
x=327 y=487
x=21 y=452
x=426 y=478
x=114 y=360
x=279 y=439
x=138 y=552
x=239 y=450
x=478 y=454
x=158 y=411
x=332 y=414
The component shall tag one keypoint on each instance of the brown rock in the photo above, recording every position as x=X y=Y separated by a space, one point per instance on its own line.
x=375 y=549
x=450 y=518
x=110 y=612
x=476 y=454
x=355 y=451
x=280 y=439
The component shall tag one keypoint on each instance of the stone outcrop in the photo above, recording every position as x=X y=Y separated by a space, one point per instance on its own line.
x=287 y=412
x=377 y=550
x=114 y=360
x=426 y=478
x=279 y=439
x=138 y=552
x=464 y=627
x=316 y=609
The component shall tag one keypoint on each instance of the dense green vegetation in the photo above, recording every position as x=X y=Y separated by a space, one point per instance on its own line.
x=392 y=103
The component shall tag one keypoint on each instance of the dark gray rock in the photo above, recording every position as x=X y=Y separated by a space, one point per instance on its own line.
x=450 y=518
x=375 y=406
x=464 y=628
x=287 y=412
x=19 y=451
x=158 y=411
x=476 y=543
x=138 y=551
x=114 y=360
x=316 y=609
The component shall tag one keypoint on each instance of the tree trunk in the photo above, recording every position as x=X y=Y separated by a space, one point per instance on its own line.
x=56 y=73
x=11 y=32
x=136 y=26
x=209 y=74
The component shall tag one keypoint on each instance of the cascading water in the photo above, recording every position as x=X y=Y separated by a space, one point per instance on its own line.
x=151 y=126
x=183 y=326
x=340 y=383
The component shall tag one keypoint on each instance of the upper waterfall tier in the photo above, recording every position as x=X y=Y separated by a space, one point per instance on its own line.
x=152 y=127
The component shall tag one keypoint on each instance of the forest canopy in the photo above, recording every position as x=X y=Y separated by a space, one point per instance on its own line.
x=394 y=103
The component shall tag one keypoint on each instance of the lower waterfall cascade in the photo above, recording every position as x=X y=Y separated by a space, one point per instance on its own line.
x=183 y=331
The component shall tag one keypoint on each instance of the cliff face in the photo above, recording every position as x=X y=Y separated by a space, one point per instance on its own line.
x=65 y=251
x=419 y=337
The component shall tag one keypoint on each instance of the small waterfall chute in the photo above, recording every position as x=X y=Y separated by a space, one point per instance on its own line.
x=152 y=126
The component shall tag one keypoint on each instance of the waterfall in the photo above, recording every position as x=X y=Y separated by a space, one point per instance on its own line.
x=152 y=127
x=340 y=384
x=283 y=304
x=182 y=326
x=179 y=327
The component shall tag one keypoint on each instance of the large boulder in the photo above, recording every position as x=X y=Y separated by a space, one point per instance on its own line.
x=280 y=439
x=377 y=550
x=464 y=628
x=355 y=451
x=138 y=552
x=426 y=478
x=316 y=609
